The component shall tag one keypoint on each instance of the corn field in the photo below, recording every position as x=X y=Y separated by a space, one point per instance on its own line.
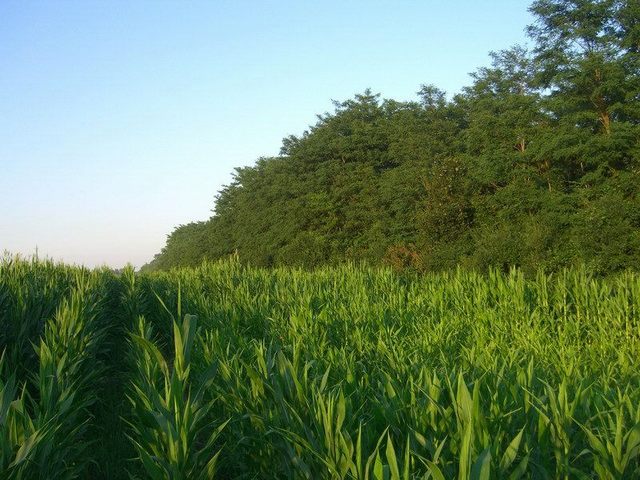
x=227 y=371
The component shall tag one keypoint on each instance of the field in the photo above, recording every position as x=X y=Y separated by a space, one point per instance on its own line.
x=227 y=371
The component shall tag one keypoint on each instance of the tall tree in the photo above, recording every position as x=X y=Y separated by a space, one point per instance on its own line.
x=586 y=54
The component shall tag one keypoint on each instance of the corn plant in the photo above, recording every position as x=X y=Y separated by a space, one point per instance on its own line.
x=171 y=432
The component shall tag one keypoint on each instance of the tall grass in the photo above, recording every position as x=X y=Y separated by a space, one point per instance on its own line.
x=347 y=372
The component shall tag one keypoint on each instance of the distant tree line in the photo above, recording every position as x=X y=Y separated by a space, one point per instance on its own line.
x=536 y=164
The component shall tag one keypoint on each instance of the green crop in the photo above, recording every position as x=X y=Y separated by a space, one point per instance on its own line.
x=349 y=372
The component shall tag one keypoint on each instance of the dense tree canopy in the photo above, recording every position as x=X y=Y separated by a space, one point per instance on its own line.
x=535 y=164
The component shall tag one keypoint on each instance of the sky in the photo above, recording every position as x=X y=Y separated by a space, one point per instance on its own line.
x=120 y=120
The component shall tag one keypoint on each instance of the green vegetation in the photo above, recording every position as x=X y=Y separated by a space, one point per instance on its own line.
x=472 y=332
x=349 y=372
x=536 y=164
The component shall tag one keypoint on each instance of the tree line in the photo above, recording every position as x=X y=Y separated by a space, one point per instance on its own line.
x=536 y=164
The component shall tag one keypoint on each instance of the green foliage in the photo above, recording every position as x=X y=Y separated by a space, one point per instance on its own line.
x=169 y=426
x=341 y=373
x=500 y=369
x=536 y=164
x=46 y=410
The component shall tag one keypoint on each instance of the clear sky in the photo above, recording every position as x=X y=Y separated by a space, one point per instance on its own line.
x=120 y=120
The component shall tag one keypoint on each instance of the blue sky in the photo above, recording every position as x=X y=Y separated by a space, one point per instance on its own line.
x=120 y=120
